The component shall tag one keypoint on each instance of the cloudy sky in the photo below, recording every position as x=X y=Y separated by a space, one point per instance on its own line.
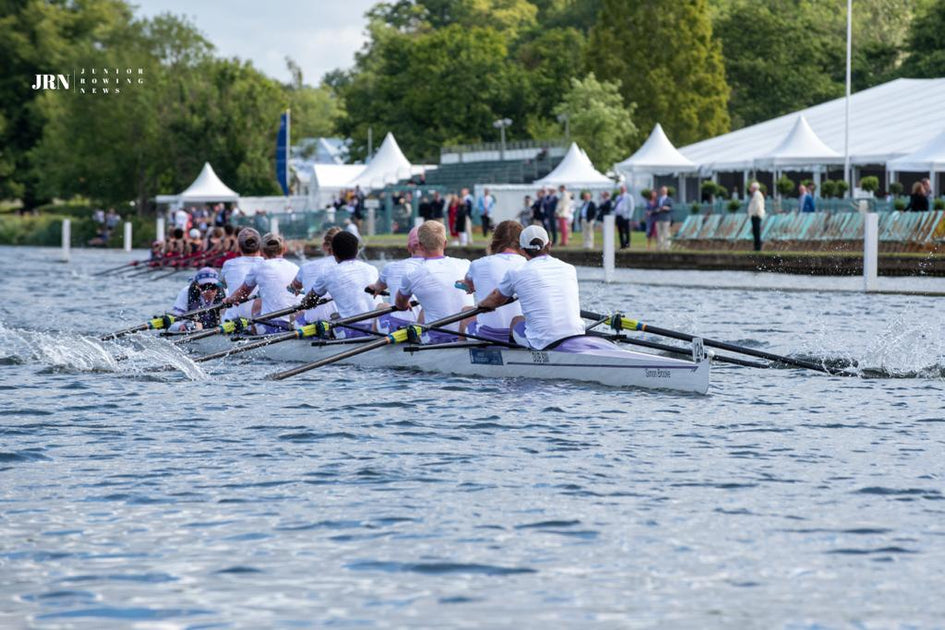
x=320 y=35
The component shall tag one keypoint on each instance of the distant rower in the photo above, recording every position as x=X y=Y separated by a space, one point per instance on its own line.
x=547 y=290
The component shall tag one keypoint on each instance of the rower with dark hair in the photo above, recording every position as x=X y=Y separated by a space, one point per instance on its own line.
x=311 y=270
x=547 y=289
x=484 y=276
x=345 y=283
x=234 y=271
x=271 y=276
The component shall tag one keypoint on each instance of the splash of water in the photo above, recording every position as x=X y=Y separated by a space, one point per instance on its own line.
x=68 y=351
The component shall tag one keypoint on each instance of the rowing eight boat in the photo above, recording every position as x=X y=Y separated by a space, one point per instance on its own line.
x=581 y=359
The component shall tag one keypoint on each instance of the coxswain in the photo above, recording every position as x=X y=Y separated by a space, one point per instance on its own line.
x=433 y=283
x=234 y=271
x=231 y=240
x=547 y=289
x=271 y=276
x=205 y=289
x=306 y=277
x=345 y=283
x=390 y=278
x=486 y=273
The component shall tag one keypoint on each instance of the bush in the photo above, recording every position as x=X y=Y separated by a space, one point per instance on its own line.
x=785 y=185
x=695 y=207
x=870 y=184
x=734 y=205
x=645 y=193
x=721 y=192
x=896 y=188
x=828 y=188
x=807 y=183
x=842 y=187
x=899 y=205
x=671 y=191
x=708 y=188
x=938 y=204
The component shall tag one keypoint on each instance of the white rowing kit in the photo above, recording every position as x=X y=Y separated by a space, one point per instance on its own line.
x=234 y=273
x=433 y=283
x=306 y=276
x=272 y=276
x=486 y=274
x=346 y=282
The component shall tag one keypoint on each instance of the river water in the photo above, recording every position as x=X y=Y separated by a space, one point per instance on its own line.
x=208 y=497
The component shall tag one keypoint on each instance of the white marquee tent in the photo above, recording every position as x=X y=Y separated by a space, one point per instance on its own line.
x=657 y=156
x=929 y=157
x=388 y=166
x=800 y=148
x=886 y=122
x=327 y=180
x=206 y=188
x=575 y=169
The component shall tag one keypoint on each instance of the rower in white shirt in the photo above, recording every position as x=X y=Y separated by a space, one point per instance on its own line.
x=271 y=276
x=390 y=279
x=547 y=290
x=433 y=283
x=484 y=276
x=234 y=271
x=345 y=282
x=307 y=274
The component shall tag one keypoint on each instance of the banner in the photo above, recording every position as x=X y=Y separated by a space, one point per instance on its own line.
x=282 y=153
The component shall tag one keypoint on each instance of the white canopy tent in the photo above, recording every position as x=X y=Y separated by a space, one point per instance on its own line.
x=388 y=166
x=929 y=158
x=800 y=148
x=206 y=188
x=327 y=180
x=575 y=169
x=657 y=156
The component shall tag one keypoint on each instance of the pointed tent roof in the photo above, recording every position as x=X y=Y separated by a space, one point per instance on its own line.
x=657 y=156
x=208 y=187
x=800 y=147
x=387 y=166
x=928 y=157
x=575 y=169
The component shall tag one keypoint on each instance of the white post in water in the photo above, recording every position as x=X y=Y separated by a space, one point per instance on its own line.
x=609 y=248
x=274 y=225
x=66 y=239
x=870 y=251
x=159 y=230
x=127 y=236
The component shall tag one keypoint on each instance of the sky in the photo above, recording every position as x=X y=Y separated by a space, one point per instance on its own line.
x=320 y=35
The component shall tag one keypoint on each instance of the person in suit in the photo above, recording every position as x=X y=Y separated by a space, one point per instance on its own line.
x=550 y=207
x=588 y=218
x=805 y=200
x=624 y=208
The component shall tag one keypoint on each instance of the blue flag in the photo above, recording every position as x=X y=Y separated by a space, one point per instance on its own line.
x=282 y=153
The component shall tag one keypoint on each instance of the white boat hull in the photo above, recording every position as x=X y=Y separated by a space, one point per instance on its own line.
x=615 y=368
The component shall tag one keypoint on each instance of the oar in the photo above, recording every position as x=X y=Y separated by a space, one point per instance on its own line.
x=674 y=350
x=400 y=335
x=309 y=330
x=240 y=324
x=133 y=263
x=165 y=321
x=196 y=261
x=619 y=322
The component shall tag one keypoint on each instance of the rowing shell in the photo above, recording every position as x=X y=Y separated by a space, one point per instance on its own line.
x=610 y=365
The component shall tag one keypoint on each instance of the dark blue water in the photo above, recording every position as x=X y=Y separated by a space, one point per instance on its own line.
x=210 y=497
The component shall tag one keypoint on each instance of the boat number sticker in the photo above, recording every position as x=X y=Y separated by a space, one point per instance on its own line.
x=485 y=356
x=540 y=357
x=658 y=373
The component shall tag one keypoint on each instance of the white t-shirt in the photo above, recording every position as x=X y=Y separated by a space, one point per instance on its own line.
x=181 y=303
x=547 y=289
x=306 y=276
x=272 y=276
x=393 y=276
x=486 y=274
x=234 y=273
x=345 y=282
x=433 y=284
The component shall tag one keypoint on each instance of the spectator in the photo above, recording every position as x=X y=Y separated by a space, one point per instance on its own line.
x=623 y=211
x=805 y=200
x=464 y=217
x=606 y=205
x=664 y=219
x=550 y=208
x=564 y=213
x=424 y=209
x=525 y=215
x=588 y=218
x=486 y=208
x=756 y=210
x=452 y=214
x=918 y=200
x=649 y=215
x=538 y=208
x=436 y=207
x=111 y=222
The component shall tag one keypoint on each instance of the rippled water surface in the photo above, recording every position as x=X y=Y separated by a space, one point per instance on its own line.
x=208 y=497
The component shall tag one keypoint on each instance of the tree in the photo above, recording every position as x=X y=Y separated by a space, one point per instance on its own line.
x=668 y=63
x=599 y=121
x=314 y=110
x=926 y=48
x=550 y=60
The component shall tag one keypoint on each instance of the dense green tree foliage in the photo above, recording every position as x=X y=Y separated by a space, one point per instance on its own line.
x=926 y=44
x=600 y=123
x=667 y=61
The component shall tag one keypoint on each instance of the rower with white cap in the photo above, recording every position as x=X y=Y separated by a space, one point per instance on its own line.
x=390 y=278
x=234 y=271
x=547 y=289
x=205 y=289
x=484 y=276
x=433 y=282
x=272 y=276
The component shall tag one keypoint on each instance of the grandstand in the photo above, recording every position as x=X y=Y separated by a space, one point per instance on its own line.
x=453 y=177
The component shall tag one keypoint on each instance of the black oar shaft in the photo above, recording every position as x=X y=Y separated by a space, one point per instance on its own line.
x=722 y=345
x=271 y=339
